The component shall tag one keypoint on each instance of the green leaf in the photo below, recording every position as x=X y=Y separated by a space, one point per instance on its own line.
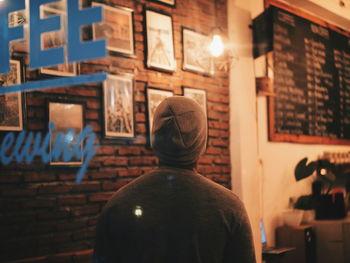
x=303 y=170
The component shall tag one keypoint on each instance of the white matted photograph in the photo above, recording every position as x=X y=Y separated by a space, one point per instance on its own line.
x=119 y=106
x=160 y=43
x=11 y=108
x=196 y=54
x=198 y=95
x=56 y=39
x=68 y=119
x=154 y=98
x=117 y=29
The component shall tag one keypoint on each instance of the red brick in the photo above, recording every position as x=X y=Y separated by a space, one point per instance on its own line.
x=88 y=210
x=211 y=150
x=19 y=192
x=84 y=234
x=140 y=117
x=113 y=186
x=127 y=150
x=221 y=160
x=53 y=215
x=67 y=177
x=94 y=105
x=103 y=175
x=38 y=203
x=115 y=161
x=218 y=142
x=86 y=187
x=54 y=188
x=10 y=178
x=130 y=172
x=141 y=128
x=204 y=160
x=92 y=115
x=72 y=200
x=83 y=92
x=143 y=160
x=36 y=177
x=101 y=197
x=70 y=225
x=214 y=133
x=107 y=150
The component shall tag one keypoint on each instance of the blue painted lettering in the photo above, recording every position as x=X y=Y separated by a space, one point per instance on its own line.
x=8 y=34
x=83 y=148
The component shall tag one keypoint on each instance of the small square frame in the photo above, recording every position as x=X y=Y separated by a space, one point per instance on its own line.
x=61 y=114
x=196 y=55
x=56 y=39
x=154 y=97
x=198 y=95
x=123 y=29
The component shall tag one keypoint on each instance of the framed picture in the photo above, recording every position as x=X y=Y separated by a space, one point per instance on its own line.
x=56 y=39
x=154 y=98
x=67 y=117
x=119 y=106
x=167 y=2
x=11 y=104
x=117 y=29
x=198 y=95
x=196 y=55
x=160 y=47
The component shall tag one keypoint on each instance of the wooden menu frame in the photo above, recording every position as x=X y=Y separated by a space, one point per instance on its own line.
x=306 y=139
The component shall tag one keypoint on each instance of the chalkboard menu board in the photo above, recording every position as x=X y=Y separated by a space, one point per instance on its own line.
x=311 y=78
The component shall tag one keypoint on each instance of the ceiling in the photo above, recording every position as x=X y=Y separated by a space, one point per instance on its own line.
x=334 y=11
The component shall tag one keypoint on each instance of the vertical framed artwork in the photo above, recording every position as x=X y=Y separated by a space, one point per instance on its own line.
x=160 y=43
x=68 y=119
x=117 y=28
x=196 y=55
x=119 y=106
x=198 y=95
x=11 y=104
x=154 y=98
x=56 y=39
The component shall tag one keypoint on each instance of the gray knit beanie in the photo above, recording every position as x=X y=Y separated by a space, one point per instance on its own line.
x=179 y=131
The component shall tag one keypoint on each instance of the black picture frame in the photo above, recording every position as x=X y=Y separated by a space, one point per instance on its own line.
x=153 y=102
x=195 y=51
x=129 y=26
x=63 y=123
x=13 y=105
x=159 y=41
x=123 y=122
x=199 y=95
x=57 y=39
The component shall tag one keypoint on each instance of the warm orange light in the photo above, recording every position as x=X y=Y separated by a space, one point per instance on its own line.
x=216 y=46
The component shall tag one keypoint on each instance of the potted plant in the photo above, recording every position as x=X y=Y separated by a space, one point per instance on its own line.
x=326 y=199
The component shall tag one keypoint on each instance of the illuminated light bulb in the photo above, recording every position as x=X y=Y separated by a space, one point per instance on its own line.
x=323 y=171
x=138 y=211
x=216 y=46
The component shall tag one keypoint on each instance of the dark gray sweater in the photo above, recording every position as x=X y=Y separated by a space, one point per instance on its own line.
x=174 y=215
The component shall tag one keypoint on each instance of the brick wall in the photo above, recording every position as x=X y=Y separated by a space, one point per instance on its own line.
x=45 y=216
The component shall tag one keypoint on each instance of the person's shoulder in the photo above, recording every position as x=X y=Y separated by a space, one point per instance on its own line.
x=128 y=190
x=221 y=193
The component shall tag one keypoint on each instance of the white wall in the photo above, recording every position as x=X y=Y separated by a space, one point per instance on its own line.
x=243 y=119
x=262 y=171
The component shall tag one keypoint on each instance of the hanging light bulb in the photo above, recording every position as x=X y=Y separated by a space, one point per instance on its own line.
x=216 y=46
